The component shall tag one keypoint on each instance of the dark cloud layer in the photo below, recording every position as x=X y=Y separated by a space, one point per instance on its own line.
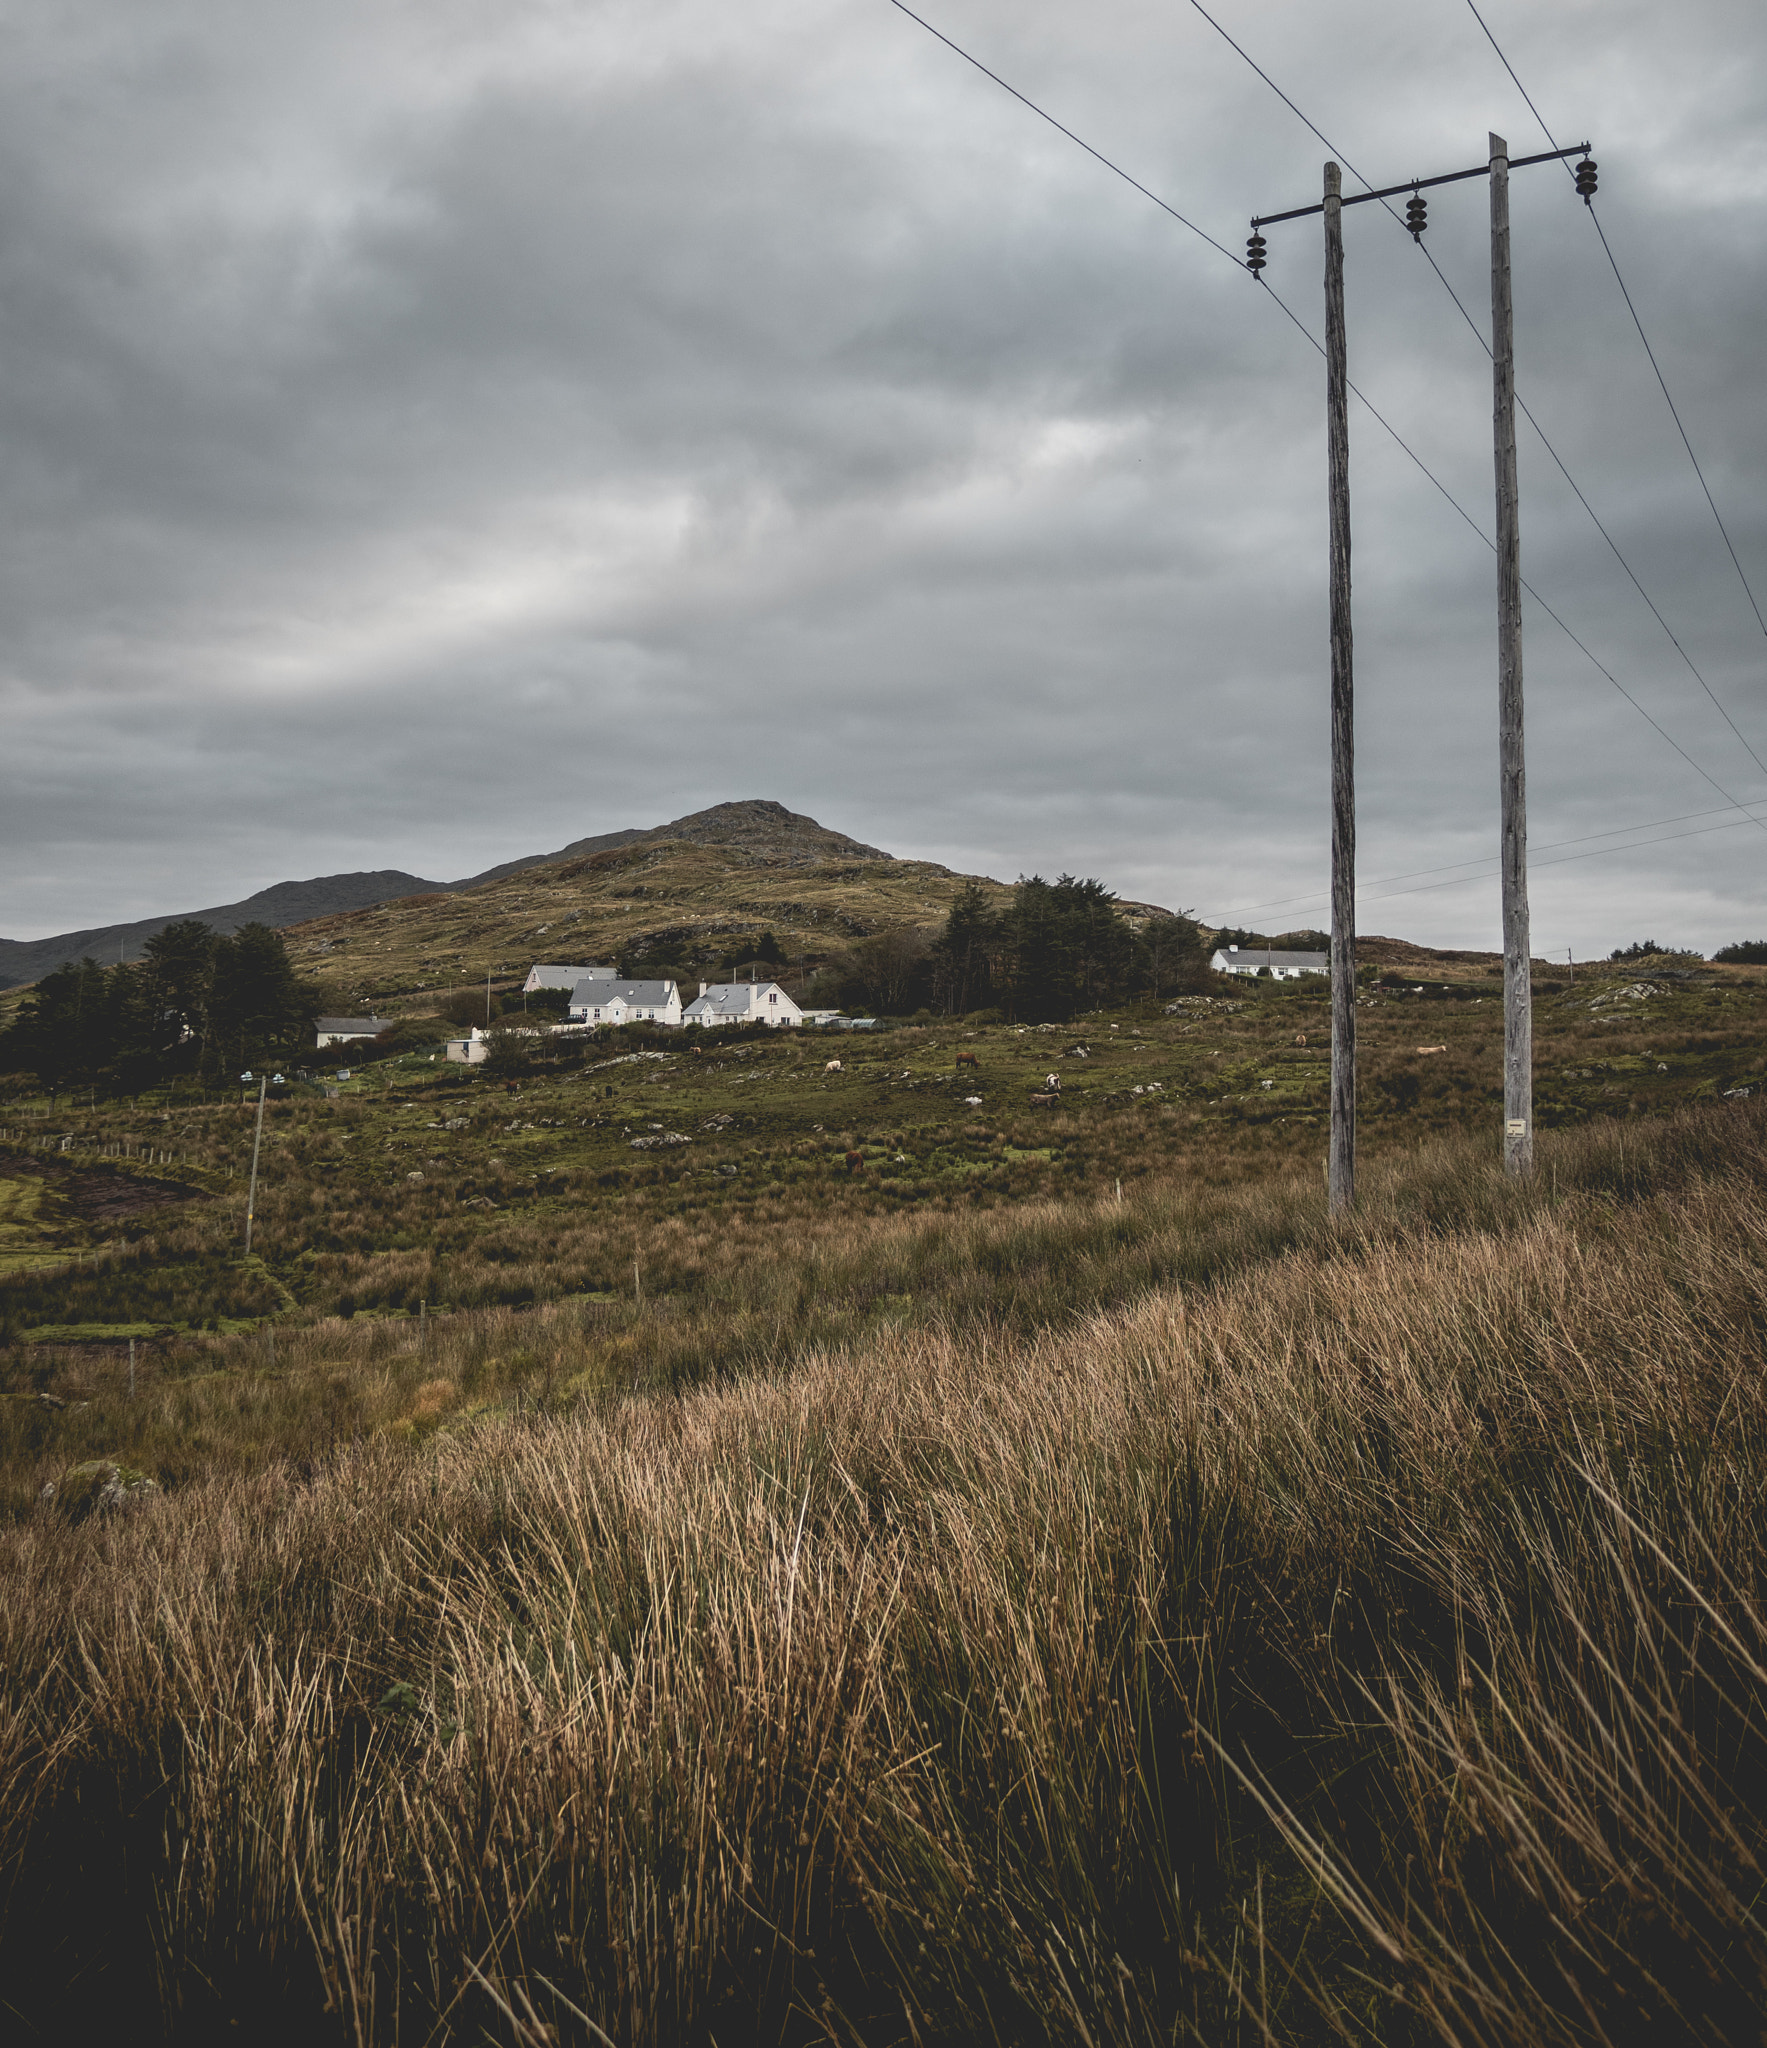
x=439 y=432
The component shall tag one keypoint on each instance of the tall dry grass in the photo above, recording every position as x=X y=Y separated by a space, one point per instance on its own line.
x=1367 y=1646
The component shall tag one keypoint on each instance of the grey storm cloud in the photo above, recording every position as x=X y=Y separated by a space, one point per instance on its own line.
x=434 y=433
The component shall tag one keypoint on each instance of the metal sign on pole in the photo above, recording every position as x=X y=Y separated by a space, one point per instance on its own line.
x=1518 y=1019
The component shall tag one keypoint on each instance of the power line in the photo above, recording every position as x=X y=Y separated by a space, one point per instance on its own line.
x=1069 y=133
x=1735 y=803
x=957 y=49
x=1478 y=335
x=1662 y=381
x=1485 y=859
x=1458 y=881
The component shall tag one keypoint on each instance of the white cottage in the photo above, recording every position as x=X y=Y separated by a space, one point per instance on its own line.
x=1262 y=960
x=743 y=1002
x=596 y=1000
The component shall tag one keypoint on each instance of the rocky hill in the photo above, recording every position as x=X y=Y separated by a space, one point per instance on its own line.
x=765 y=830
x=696 y=902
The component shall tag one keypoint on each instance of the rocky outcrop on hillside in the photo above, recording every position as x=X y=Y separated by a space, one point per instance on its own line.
x=758 y=827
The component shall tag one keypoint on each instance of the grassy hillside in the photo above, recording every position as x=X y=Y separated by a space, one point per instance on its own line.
x=424 y=1183
x=693 y=1546
x=1360 y=1641
x=694 y=903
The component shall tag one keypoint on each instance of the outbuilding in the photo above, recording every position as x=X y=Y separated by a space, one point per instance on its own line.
x=340 y=1030
x=546 y=976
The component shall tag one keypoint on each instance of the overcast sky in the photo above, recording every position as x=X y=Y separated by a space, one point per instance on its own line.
x=430 y=433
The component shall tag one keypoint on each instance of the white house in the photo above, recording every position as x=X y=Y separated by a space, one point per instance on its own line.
x=1261 y=960
x=597 y=1000
x=340 y=1030
x=743 y=1002
x=565 y=977
x=472 y=1050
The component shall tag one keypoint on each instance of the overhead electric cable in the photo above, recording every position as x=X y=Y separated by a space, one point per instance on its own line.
x=1485 y=859
x=1456 y=881
x=1662 y=381
x=1735 y=803
x=958 y=50
x=1521 y=402
x=1069 y=133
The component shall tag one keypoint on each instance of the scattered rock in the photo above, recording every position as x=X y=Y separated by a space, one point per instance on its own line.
x=667 y=1138
x=99 y=1486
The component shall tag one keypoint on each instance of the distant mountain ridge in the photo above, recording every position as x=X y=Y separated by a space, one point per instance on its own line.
x=283 y=903
x=760 y=826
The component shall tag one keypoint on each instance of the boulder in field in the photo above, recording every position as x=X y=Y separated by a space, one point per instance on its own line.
x=99 y=1486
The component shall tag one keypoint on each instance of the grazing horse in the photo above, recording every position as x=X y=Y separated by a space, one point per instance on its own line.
x=1300 y=1038
x=833 y=1067
x=1053 y=1083
x=1432 y=1048
x=969 y=1059
x=1053 y=1096
x=855 y=1162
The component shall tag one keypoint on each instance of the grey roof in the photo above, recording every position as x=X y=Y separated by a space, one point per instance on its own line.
x=721 y=995
x=357 y=1027
x=1263 y=956
x=652 y=994
x=568 y=977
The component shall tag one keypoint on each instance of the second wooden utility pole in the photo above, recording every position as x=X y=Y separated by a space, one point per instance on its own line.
x=1518 y=1000
x=1341 y=1166
x=251 y=1199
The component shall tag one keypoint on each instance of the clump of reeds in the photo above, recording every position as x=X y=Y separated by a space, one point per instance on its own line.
x=1366 y=1645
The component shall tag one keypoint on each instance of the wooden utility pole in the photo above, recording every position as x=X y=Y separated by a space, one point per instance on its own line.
x=1518 y=1002
x=1341 y=1169
x=251 y=1199
x=1518 y=1022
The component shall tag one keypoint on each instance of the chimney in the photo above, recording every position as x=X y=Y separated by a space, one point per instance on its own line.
x=1233 y=949
x=702 y=988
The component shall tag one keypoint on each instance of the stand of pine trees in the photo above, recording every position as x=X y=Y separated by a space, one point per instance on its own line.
x=200 y=1003
x=1056 y=949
